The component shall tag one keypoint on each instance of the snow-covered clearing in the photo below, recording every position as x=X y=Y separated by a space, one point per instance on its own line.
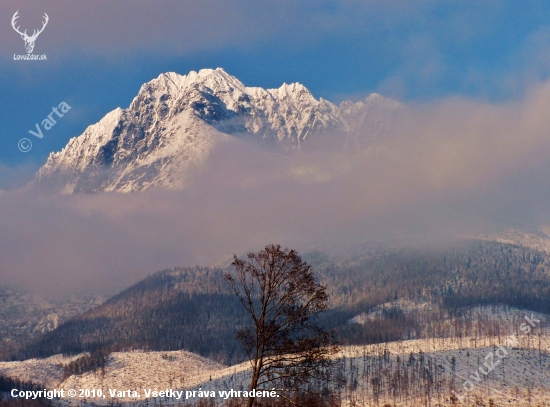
x=519 y=375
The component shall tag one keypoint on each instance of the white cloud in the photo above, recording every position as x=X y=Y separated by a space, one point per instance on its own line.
x=456 y=167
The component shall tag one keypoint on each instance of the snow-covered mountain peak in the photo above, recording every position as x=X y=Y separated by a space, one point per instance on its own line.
x=295 y=94
x=214 y=78
x=375 y=99
x=175 y=121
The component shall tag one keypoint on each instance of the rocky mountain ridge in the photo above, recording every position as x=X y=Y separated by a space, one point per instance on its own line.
x=175 y=121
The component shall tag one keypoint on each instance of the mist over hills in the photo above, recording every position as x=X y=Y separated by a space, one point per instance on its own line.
x=377 y=295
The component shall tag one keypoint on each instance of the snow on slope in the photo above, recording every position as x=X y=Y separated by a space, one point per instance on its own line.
x=138 y=370
x=520 y=374
x=175 y=121
x=44 y=371
x=129 y=154
x=506 y=315
x=535 y=241
x=524 y=370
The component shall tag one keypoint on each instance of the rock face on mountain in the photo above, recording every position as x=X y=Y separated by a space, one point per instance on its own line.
x=175 y=121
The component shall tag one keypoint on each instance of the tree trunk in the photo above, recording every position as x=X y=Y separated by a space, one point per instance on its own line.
x=253 y=384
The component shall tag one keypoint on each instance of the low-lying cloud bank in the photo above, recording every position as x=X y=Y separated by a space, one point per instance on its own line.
x=450 y=168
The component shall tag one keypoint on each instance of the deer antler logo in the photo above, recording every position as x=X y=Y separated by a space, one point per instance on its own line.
x=29 y=40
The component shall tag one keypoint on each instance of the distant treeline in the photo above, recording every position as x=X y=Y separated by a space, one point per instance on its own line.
x=193 y=309
x=471 y=273
x=87 y=363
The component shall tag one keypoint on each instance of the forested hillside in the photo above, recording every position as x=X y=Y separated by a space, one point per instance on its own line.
x=24 y=316
x=377 y=295
x=189 y=308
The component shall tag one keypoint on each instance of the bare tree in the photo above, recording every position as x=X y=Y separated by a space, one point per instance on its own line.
x=284 y=344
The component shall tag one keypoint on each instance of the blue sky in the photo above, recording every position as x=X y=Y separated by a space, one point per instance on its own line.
x=100 y=53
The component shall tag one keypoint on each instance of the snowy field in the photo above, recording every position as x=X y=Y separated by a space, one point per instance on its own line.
x=511 y=369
